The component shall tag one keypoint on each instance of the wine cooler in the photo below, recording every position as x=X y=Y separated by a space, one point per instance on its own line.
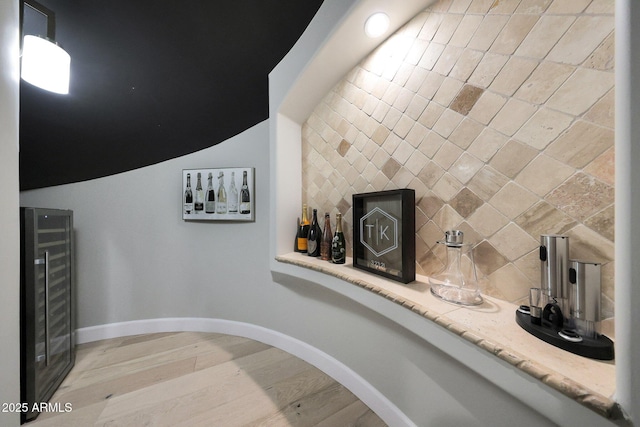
x=47 y=320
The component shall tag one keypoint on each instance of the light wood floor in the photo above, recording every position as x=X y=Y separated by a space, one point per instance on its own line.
x=199 y=379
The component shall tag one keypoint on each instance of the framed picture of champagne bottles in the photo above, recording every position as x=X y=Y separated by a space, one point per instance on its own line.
x=225 y=194
x=384 y=233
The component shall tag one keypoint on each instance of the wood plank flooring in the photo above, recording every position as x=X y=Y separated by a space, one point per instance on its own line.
x=199 y=379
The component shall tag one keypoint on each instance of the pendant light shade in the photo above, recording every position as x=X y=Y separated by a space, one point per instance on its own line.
x=45 y=64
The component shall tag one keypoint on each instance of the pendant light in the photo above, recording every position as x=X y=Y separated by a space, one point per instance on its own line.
x=44 y=63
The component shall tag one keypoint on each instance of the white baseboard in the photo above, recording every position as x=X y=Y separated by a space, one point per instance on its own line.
x=375 y=400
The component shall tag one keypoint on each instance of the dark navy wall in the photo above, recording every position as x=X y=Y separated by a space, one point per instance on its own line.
x=152 y=80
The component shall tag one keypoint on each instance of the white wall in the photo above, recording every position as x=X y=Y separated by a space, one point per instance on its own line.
x=627 y=207
x=9 y=213
x=137 y=259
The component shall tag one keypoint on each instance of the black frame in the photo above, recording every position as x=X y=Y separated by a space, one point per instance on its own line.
x=40 y=376
x=396 y=259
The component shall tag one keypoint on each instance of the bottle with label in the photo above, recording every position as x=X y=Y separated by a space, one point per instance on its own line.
x=338 y=247
x=233 y=195
x=315 y=236
x=303 y=231
x=188 y=196
x=245 y=197
x=199 y=203
x=221 y=204
x=327 y=237
x=210 y=198
x=295 y=241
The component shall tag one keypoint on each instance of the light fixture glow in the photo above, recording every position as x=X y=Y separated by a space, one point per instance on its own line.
x=376 y=24
x=45 y=64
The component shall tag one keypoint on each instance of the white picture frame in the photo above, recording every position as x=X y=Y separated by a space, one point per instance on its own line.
x=232 y=207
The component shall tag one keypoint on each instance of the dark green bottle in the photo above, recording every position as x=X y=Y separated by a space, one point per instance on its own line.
x=338 y=247
x=315 y=236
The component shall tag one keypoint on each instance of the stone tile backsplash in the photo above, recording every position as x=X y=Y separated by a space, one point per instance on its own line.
x=500 y=115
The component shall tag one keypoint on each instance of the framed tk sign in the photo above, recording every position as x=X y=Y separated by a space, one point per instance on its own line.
x=384 y=240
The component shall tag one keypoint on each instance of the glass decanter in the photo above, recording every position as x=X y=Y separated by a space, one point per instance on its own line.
x=457 y=282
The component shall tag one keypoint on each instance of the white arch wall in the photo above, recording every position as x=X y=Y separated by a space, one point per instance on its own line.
x=9 y=219
x=285 y=134
x=627 y=207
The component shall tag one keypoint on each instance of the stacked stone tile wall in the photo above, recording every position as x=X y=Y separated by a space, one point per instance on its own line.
x=500 y=114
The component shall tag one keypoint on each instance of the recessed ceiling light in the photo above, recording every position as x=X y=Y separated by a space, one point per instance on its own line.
x=376 y=24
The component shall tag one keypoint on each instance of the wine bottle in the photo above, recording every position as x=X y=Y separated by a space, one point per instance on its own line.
x=315 y=236
x=327 y=237
x=199 y=203
x=188 y=196
x=303 y=231
x=245 y=197
x=221 y=204
x=210 y=198
x=232 y=202
x=295 y=241
x=338 y=249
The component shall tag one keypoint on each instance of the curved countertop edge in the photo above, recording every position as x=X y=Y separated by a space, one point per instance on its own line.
x=591 y=399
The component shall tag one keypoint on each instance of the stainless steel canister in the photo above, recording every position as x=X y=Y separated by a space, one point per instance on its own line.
x=585 y=293
x=554 y=258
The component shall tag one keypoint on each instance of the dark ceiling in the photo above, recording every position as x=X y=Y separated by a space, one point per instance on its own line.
x=152 y=80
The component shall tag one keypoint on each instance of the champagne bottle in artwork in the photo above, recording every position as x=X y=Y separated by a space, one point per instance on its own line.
x=210 y=197
x=315 y=236
x=338 y=247
x=245 y=197
x=327 y=237
x=188 y=196
x=221 y=204
x=232 y=201
x=303 y=231
x=199 y=203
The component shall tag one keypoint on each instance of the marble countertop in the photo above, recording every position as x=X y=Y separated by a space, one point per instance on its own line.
x=492 y=327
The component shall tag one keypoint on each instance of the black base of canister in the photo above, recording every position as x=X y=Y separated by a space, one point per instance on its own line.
x=600 y=348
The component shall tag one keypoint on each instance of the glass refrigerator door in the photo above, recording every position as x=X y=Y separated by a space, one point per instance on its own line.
x=53 y=315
